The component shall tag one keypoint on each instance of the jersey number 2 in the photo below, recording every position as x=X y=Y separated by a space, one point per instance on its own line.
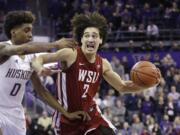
x=86 y=88
x=15 y=89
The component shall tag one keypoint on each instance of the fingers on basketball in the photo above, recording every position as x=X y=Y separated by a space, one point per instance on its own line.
x=145 y=73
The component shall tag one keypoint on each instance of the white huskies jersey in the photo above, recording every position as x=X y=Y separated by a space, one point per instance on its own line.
x=14 y=74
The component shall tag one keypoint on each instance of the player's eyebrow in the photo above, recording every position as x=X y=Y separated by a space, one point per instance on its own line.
x=27 y=28
x=92 y=33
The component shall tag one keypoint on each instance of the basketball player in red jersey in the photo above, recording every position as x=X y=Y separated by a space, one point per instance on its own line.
x=16 y=70
x=79 y=81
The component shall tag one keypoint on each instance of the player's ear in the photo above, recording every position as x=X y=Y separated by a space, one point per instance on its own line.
x=100 y=41
x=81 y=40
x=12 y=32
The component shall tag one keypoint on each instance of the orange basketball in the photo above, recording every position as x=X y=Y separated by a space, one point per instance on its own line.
x=145 y=73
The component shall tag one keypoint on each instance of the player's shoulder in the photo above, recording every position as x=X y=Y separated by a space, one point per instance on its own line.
x=105 y=61
x=4 y=58
x=106 y=65
x=68 y=51
x=4 y=43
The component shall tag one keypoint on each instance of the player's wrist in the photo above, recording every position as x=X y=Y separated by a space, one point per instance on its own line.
x=53 y=45
x=66 y=114
x=56 y=45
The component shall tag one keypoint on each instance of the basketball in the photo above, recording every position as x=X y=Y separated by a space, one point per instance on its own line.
x=145 y=73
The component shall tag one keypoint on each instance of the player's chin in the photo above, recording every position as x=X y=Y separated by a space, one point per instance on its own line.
x=30 y=39
x=91 y=51
x=27 y=40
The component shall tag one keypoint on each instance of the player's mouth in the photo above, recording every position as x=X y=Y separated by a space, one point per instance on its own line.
x=90 y=47
x=28 y=39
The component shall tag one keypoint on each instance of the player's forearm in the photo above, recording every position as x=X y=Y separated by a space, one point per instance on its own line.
x=50 y=100
x=45 y=95
x=29 y=48
x=130 y=87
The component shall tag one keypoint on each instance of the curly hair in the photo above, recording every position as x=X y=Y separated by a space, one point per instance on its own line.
x=81 y=21
x=17 y=18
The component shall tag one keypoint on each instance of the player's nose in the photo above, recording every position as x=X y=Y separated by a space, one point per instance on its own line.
x=90 y=39
x=29 y=36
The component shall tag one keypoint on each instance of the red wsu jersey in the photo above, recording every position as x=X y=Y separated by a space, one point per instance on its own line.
x=78 y=85
x=76 y=88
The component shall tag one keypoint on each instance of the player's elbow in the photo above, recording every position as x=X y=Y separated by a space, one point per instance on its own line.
x=126 y=87
x=122 y=87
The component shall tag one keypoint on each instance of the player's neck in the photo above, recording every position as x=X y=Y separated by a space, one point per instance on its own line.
x=90 y=57
x=14 y=42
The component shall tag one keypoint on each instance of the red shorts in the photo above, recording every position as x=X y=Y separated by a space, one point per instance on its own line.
x=83 y=128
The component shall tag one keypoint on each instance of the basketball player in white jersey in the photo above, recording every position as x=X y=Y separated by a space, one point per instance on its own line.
x=15 y=71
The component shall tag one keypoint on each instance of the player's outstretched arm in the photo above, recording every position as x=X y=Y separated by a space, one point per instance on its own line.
x=115 y=80
x=35 y=47
x=66 y=55
x=49 y=99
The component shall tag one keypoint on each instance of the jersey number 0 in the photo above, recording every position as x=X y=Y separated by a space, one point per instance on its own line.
x=15 y=89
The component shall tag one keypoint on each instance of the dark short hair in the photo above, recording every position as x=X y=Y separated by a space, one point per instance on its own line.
x=81 y=21
x=17 y=18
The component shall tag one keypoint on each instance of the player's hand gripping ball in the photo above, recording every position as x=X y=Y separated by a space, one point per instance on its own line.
x=145 y=74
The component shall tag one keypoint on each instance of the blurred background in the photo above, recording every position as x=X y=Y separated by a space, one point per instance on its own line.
x=138 y=30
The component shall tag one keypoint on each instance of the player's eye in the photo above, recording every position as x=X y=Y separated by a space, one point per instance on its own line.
x=86 y=35
x=26 y=30
x=95 y=36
